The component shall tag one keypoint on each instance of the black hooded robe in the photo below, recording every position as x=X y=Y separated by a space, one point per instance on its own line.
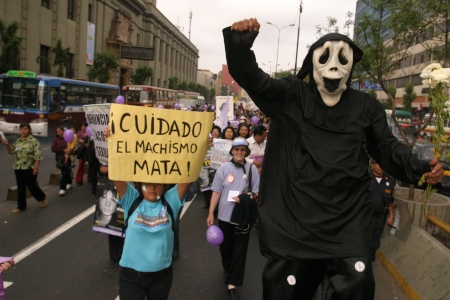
x=315 y=200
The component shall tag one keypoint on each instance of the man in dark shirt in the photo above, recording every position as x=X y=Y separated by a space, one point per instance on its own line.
x=315 y=210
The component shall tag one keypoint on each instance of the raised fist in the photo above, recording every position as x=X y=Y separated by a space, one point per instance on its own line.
x=246 y=25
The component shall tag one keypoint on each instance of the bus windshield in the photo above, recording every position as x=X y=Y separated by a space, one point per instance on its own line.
x=23 y=93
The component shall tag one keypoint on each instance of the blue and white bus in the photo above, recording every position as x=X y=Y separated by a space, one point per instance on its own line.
x=46 y=101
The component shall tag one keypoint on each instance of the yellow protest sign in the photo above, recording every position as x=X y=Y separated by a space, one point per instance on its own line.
x=157 y=145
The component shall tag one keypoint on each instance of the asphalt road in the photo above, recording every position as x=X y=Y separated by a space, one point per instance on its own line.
x=60 y=257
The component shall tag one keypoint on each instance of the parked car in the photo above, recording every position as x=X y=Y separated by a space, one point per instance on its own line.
x=424 y=151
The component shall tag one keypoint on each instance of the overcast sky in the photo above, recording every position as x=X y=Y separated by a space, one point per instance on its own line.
x=209 y=17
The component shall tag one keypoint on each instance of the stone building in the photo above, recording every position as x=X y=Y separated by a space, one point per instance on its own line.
x=90 y=26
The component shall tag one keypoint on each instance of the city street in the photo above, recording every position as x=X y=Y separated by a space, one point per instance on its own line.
x=60 y=257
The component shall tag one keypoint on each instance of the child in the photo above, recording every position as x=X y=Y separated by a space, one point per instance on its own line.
x=73 y=145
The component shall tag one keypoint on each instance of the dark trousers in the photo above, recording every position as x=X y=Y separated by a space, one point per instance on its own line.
x=341 y=278
x=25 y=179
x=94 y=167
x=65 y=178
x=234 y=253
x=207 y=197
x=154 y=286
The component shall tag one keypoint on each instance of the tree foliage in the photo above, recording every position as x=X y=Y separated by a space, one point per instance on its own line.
x=282 y=74
x=9 y=46
x=209 y=94
x=104 y=62
x=61 y=57
x=141 y=75
x=408 y=97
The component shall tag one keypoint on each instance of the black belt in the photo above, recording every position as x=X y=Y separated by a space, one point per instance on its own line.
x=148 y=274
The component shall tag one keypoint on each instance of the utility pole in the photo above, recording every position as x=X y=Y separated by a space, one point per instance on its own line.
x=190 y=21
x=298 y=36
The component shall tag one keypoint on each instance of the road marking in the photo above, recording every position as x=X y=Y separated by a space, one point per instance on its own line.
x=186 y=206
x=7 y=283
x=54 y=234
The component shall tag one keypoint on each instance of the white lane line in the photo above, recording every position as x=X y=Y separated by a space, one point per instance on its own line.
x=7 y=283
x=54 y=234
x=186 y=206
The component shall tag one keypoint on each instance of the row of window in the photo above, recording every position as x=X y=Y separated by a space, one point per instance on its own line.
x=403 y=81
x=44 y=62
x=418 y=58
x=70 y=8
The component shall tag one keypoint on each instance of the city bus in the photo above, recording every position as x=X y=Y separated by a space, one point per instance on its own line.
x=147 y=95
x=46 y=101
x=191 y=99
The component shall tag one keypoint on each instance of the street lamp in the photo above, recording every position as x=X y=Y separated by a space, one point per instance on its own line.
x=270 y=67
x=278 y=47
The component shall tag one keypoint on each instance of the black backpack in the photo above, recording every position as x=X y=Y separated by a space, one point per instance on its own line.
x=138 y=201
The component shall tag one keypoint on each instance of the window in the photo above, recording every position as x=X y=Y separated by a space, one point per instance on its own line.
x=161 y=51
x=416 y=79
x=70 y=6
x=45 y=3
x=69 y=66
x=138 y=39
x=442 y=28
x=44 y=60
x=406 y=62
x=166 y=56
x=402 y=81
x=90 y=13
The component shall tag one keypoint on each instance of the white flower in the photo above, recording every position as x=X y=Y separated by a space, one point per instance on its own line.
x=432 y=67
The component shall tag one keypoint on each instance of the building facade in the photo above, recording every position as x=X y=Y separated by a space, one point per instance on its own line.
x=91 y=26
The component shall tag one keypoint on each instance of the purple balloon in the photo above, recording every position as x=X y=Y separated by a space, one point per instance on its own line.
x=214 y=235
x=160 y=106
x=213 y=107
x=255 y=120
x=88 y=131
x=188 y=108
x=205 y=107
x=120 y=99
x=68 y=135
x=177 y=106
x=234 y=118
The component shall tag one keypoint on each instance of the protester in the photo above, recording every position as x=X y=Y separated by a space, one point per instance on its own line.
x=73 y=146
x=207 y=173
x=27 y=150
x=146 y=263
x=244 y=130
x=80 y=171
x=257 y=144
x=315 y=211
x=94 y=164
x=228 y=133
x=382 y=186
x=6 y=265
x=232 y=179
x=59 y=147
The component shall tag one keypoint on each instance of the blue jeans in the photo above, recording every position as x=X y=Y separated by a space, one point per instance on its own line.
x=134 y=285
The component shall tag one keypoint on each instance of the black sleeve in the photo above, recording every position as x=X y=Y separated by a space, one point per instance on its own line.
x=265 y=91
x=394 y=157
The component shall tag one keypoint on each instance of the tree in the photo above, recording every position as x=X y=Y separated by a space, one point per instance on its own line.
x=385 y=35
x=392 y=90
x=61 y=57
x=104 y=62
x=434 y=33
x=173 y=83
x=408 y=97
x=9 y=45
x=282 y=74
x=142 y=74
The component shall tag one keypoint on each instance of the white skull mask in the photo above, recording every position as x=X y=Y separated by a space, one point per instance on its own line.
x=332 y=63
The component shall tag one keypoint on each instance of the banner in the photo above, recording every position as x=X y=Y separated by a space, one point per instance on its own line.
x=108 y=213
x=224 y=109
x=97 y=116
x=157 y=145
x=90 y=43
x=220 y=153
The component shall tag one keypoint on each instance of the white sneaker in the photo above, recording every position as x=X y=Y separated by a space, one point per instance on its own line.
x=68 y=186
x=62 y=192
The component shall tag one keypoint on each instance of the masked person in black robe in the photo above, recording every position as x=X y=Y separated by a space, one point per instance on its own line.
x=315 y=211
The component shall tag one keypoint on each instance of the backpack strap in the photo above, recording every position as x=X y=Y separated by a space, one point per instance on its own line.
x=169 y=210
x=133 y=207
